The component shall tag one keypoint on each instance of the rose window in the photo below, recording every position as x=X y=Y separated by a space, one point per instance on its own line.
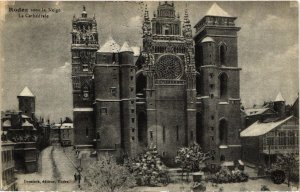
x=169 y=67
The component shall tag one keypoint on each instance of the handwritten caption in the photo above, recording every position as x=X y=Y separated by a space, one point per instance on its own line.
x=43 y=13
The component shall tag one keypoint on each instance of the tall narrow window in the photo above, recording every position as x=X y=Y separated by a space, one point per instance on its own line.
x=223 y=54
x=151 y=135
x=177 y=132
x=164 y=134
x=113 y=91
x=223 y=79
x=142 y=127
x=223 y=132
x=86 y=131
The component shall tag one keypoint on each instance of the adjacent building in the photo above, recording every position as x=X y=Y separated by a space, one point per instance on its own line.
x=269 y=136
x=8 y=180
x=66 y=134
x=176 y=93
x=25 y=131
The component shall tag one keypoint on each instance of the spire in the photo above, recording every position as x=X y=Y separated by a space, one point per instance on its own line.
x=84 y=14
x=110 y=46
x=146 y=25
x=146 y=15
x=216 y=10
x=186 y=27
x=126 y=48
x=279 y=97
x=26 y=93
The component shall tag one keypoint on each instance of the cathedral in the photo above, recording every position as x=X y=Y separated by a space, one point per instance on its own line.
x=181 y=89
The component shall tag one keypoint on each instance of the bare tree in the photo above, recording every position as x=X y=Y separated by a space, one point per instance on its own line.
x=107 y=176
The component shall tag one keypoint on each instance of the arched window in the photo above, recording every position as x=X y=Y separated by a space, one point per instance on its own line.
x=199 y=128
x=223 y=54
x=223 y=132
x=141 y=83
x=223 y=79
x=222 y=158
x=142 y=127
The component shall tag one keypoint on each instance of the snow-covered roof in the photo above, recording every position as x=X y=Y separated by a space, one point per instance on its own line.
x=26 y=93
x=27 y=124
x=260 y=128
x=25 y=117
x=279 y=97
x=216 y=10
x=66 y=126
x=125 y=48
x=255 y=111
x=207 y=39
x=6 y=123
x=110 y=47
x=136 y=51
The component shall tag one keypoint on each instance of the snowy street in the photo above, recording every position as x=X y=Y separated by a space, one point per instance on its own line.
x=55 y=172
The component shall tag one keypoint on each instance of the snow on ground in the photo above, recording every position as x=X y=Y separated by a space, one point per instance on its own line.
x=45 y=172
x=251 y=185
x=53 y=166
x=66 y=170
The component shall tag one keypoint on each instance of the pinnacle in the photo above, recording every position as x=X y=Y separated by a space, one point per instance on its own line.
x=216 y=10
x=125 y=48
x=26 y=93
x=279 y=97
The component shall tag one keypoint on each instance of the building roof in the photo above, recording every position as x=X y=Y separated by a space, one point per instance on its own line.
x=207 y=39
x=67 y=126
x=25 y=117
x=216 y=10
x=136 y=51
x=279 y=97
x=255 y=111
x=125 y=48
x=259 y=128
x=110 y=47
x=27 y=124
x=6 y=123
x=26 y=92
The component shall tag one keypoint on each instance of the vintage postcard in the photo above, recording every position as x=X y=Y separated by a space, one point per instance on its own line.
x=144 y=96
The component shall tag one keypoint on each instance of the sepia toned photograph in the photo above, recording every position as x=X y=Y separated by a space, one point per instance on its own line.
x=149 y=96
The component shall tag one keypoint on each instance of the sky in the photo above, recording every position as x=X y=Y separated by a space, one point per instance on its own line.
x=35 y=52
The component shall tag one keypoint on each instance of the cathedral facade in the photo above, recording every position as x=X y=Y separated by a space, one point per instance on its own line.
x=181 y=89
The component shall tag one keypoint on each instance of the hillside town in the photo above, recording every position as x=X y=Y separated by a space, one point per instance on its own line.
x=167 y=116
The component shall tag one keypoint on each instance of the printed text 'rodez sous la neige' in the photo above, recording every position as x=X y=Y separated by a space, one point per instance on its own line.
x=34 y=12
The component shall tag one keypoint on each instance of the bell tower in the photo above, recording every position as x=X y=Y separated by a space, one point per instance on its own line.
x=83 y=49
x=216 y=50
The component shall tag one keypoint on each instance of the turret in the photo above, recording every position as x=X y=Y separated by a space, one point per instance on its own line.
x=108 y=53
x=126 y=54
x=27 y=102
x=279 y=105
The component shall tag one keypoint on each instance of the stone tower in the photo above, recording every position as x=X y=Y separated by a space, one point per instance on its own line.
x=115 y=99
x=27 y=102
x=218 y=119
x=166 y=86
x=83 y=48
